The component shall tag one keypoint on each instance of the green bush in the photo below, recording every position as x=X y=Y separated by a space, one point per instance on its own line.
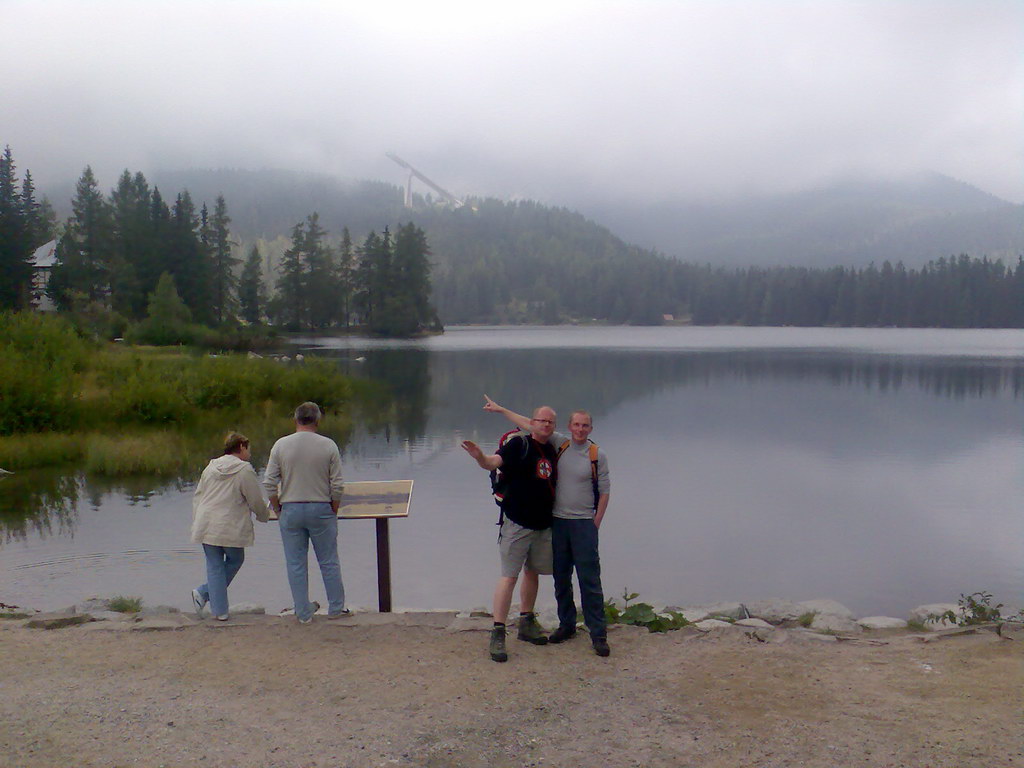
x=318 y=381
x=148 y=398
x=40 y=361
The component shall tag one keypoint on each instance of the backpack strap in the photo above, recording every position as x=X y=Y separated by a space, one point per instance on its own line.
x=593 y=472
x=562 y=447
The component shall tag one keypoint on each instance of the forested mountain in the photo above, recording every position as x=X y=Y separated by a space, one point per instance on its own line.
x=498 y=261
x=851 y=223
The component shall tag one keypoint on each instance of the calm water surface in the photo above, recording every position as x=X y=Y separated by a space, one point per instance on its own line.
x=882 y=468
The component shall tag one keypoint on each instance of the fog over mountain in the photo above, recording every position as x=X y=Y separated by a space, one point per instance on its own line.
x=627 y=111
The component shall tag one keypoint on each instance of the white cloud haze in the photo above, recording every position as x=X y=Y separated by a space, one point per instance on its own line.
x=558 y=101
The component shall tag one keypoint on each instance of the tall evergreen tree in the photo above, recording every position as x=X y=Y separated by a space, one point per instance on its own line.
x=251 y=290
x=39 y=215
x=346 y=273
x=133 y=265
x=321 y=275
x=83 y=255
x=15 y=240
x=290 y=306
x=190 y=266
x=223 y=280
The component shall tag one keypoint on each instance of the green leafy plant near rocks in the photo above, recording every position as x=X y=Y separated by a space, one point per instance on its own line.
x=977 y=608
x=642 y=614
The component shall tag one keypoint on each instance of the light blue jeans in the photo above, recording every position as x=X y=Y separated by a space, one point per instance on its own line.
x=303 y=522
x=222 y=563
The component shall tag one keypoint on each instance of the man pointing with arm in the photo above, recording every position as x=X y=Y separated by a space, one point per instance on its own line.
x=524 y=543
x=581 y=500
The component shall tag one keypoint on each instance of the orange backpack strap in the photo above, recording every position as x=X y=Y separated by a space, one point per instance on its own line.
x=593 y=472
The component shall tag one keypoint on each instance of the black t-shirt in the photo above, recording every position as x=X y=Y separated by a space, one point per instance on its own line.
x=531 y=475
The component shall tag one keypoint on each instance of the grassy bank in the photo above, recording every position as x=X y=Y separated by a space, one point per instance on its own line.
x=120 y=410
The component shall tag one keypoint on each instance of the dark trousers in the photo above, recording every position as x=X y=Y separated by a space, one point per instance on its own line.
x=574 y=545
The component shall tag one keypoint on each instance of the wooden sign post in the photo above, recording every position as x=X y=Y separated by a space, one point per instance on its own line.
x=379 y=500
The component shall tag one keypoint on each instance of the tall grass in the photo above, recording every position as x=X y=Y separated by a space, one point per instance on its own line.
x=152 y=454
x=63 y=399
x=45 y=449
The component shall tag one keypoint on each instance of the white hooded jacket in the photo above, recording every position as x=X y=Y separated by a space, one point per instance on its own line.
x=227 y=496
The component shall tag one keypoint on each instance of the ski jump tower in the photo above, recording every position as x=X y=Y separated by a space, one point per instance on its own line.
x=413 y=173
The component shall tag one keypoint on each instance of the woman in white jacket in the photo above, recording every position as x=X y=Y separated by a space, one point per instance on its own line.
x=227 y=496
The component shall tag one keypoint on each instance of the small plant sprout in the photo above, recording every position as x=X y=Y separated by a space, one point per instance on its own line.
x=122 y=604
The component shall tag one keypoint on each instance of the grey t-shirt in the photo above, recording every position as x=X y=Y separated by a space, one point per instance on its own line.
x=574 y=491
x=304 y=466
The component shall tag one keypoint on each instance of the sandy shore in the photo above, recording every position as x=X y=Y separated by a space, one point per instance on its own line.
x=372 y=691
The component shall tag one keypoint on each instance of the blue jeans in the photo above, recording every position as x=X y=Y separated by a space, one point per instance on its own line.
x=222 y=563
x=303 y=522
x=574 y=544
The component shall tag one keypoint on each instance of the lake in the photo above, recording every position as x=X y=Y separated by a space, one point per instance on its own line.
x=883 y=468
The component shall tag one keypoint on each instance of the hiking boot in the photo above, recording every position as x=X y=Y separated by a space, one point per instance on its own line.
x=531 y=631
x=497 y=647
x=562 y=634
x=601 y=646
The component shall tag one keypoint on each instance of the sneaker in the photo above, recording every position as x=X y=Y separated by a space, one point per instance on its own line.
x=531 y=631
x=344 y=612
x=601 y=646
x=497 y=647
x=225 y=617
x=316 y=607
x=562 y=634
x=197 y=603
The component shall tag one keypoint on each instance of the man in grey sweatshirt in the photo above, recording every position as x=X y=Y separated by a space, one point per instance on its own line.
x=303 y=481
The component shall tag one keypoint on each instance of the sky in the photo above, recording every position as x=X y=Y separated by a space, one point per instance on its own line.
x=555 y=101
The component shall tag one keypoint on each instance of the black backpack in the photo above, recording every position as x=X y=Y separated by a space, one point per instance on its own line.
x=499 y=482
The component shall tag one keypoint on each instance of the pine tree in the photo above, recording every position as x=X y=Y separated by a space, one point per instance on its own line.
x=223 y=281
x=133 y=272
x=84 y=252
x=346 y=278
x=15 y=240
x=290 y=306
x=190 y=267
x=251 y=291
x=320 y=275
x=411 y=275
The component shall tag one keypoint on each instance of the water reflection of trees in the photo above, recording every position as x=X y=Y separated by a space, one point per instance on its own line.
x=407 y=389
x=45 y=502
x=446 y=386
x=38 y=502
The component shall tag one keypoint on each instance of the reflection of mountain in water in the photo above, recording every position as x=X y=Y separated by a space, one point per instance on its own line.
x=418 y=395
x=450 y=385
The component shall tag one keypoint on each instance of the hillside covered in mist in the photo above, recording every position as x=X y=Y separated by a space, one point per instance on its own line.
x=496 y=261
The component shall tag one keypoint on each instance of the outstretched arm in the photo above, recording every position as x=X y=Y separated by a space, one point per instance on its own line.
x=523 y=422
x=488 y=462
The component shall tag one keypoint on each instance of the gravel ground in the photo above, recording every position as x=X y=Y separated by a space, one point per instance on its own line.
x=268 y=692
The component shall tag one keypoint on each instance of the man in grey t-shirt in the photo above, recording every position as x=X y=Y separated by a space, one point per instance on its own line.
x=581 y=500
x=303 y=481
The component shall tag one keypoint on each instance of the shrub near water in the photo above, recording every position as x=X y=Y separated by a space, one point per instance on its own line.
x=40 y=360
